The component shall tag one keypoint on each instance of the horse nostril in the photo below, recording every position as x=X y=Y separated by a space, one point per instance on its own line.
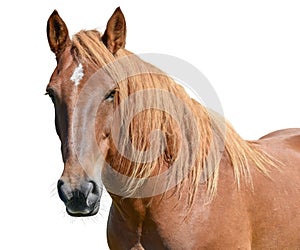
x=60 y=183
x=94 y=189
x=89 y=188
x=92 y=195
x=62 y=191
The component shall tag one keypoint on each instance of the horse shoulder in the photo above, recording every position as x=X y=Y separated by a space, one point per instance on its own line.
x=274 y=202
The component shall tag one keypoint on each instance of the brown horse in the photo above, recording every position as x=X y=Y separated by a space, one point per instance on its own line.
x=179 y=176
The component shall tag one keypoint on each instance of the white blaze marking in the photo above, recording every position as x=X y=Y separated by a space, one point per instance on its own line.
x=77 y=74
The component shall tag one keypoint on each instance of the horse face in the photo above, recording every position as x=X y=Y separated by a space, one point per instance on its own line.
x=83 y=127
x=83 y=117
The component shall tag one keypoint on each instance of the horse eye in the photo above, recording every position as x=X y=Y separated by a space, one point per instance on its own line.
x=51 y=95
x=110 y=96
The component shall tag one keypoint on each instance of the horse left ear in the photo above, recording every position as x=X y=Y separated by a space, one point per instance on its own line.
x=57 y=33
x=114 y=36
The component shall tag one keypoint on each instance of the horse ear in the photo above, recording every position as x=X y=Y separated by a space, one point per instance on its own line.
x=114 y=36
x=57 y=33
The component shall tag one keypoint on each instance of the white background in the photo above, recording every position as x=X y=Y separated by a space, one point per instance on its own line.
x=249 y=51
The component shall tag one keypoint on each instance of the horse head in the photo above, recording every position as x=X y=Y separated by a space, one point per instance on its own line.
x=82 y=127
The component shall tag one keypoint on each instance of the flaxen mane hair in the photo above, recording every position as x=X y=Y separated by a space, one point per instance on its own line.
x=199 y=135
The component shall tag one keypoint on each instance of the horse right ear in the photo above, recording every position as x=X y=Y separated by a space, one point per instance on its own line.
x=114 y=36
x=57 y=33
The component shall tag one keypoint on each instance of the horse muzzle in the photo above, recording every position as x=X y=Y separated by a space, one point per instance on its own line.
x=81 y=201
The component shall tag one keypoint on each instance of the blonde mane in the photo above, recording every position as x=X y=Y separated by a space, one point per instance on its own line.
x=216 y=136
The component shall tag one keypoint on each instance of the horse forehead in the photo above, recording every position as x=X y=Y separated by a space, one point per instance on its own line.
x=67 y=72
x=72 y=75
x=77 y=75
x=65 y=61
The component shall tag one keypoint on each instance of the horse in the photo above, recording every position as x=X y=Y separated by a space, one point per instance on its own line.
x=179 y=175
